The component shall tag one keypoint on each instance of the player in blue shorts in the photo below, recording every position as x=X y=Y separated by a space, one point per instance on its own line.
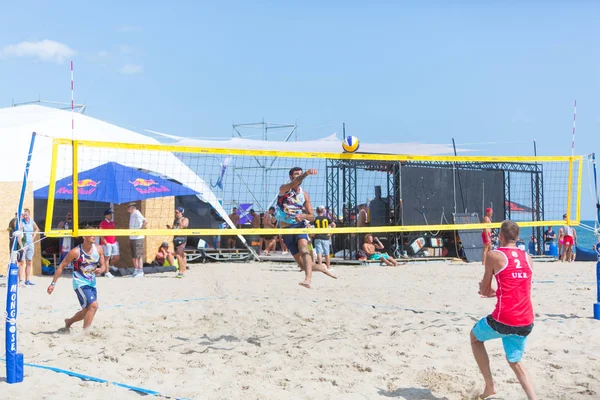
x=295 y=211
x=88 y=261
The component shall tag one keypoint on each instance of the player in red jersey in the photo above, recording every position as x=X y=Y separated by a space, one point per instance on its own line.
x=512 y=319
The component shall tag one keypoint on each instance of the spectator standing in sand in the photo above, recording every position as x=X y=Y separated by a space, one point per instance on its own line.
x=512 y=319
x=261 y=240
x=235 y=218
x=574 y=246
x=15 y=236
x=567 y=234
x=549 y=235
x=12 y=226
x=255 y=223
x=179 y=242
x=269 y=222
x=30 y=232
x=255 y=220
x=66 y=243
x=486 y=235
x=136 y=221
x=322 y=240
x=361 y=221
x=110 y=246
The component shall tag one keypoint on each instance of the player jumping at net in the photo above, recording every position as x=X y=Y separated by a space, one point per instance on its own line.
x=88 y=261
x=294 y=210
x=512 y=319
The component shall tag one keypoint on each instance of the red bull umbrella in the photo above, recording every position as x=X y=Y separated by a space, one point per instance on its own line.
x=115 y=183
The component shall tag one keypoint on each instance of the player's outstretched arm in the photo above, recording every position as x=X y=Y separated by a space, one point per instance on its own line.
x=296 y=181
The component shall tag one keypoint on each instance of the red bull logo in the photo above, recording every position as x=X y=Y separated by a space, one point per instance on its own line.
x=84 y=187
x=148 y=186
x=143 y=182
x=86 y=183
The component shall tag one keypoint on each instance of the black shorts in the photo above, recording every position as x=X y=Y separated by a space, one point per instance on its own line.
x=19 y=251
x=179 y=244
x=507 y=329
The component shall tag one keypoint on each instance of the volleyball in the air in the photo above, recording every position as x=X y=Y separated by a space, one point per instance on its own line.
x=350 y=144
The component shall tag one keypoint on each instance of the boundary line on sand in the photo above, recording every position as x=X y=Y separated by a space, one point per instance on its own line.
x=99 y=380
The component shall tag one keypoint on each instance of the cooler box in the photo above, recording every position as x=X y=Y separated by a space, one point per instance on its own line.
x=551 y=249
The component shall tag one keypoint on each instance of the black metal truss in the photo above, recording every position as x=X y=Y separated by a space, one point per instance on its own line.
x=332 y=200
x=393 y=168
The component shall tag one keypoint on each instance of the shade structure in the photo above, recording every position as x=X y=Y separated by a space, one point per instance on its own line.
x=115 y=183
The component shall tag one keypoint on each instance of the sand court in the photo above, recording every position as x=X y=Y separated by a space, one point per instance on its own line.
x=248 y=330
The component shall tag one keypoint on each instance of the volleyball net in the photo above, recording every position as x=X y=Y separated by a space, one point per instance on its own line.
x=362 y=193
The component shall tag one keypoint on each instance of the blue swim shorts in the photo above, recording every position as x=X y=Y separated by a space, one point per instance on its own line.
x=291 y=241
x=514 y=345
x=86 y=295
x=379 y=256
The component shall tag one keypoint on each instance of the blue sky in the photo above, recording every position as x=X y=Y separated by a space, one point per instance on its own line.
x=489 y=71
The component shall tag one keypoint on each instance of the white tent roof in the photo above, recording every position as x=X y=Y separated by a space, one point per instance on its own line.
x=329 y=144
x=18 y=123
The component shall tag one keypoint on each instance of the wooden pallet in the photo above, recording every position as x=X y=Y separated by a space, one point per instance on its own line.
x=341 y=261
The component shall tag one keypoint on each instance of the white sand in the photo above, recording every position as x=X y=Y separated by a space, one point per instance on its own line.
x=262 y=336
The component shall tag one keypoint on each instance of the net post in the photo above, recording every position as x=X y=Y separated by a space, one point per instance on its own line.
x=52 y=187
x=14 y=360
x=75 y=188
x=597 y=303
x=569 y=188
x=579 y=179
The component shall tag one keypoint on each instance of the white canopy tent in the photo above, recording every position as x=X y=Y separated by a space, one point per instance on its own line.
x=17 y=124
x=328 y=144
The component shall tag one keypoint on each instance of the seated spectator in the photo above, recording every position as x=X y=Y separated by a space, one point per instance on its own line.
x=164 y=257
x=549 y=235
x=370 y=246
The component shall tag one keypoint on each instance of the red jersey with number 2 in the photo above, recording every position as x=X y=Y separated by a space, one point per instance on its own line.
x=514 y=306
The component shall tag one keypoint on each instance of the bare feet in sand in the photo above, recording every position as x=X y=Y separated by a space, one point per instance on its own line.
x=323 y=268
x=488 y=391
x=67 y=323
x=305 y=284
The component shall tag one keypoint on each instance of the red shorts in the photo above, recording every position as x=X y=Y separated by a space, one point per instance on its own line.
x=568 y=240
x=485 y=237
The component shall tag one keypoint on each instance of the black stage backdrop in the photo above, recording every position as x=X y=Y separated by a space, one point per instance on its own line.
x=427 y=193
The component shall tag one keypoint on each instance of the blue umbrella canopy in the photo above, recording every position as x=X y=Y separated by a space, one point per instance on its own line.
x=115 y=183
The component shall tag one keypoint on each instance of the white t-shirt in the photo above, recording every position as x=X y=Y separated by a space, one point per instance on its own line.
x=136 y=220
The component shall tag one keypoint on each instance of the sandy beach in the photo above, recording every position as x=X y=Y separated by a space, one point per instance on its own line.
x=230 y=331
